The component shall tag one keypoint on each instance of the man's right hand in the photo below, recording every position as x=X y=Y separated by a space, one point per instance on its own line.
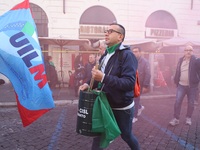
x=83 y=87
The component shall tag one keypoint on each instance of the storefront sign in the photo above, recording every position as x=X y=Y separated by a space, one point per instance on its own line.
x=160 y=33
x=92 y=31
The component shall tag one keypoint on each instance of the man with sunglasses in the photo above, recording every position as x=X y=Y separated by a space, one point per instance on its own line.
x=117 y=79
x=187 y=80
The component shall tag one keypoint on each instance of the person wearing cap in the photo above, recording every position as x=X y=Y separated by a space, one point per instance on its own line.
x=186 y=79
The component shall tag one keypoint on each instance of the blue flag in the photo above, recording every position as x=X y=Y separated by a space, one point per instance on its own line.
x=21 y=61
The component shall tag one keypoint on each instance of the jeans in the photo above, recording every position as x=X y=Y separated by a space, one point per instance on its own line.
x=124 y=120
x=137 y=106
x=180 y=94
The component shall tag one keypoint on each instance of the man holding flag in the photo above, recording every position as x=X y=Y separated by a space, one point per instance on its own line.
x=21 y=61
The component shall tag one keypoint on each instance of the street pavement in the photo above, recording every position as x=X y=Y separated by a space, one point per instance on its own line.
x=56 y=130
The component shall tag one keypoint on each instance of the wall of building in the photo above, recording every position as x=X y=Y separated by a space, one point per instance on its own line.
x=131 y=13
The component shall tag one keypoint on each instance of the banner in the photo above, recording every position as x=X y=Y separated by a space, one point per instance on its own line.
x=22 y=62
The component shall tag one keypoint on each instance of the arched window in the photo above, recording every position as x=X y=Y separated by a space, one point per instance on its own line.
x=161 y=19
x=94 y=21
x=161 y=25
x=97 y=15
x=40 y=19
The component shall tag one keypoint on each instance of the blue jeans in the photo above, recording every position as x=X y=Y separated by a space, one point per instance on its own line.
x=180 y=94
x=137 y=106
x=124 y=120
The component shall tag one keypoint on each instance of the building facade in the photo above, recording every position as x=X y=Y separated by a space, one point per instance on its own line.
x=87 y=19
x=142 y=19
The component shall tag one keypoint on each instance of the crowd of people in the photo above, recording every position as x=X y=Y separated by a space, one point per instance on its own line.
x=117 y=78
x=82 y=71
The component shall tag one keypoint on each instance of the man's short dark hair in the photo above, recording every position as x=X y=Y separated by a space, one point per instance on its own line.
x=122 y=29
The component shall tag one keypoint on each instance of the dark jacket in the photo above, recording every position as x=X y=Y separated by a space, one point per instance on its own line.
x=119 y=84
x=144 y=72
x=87 y=71
x=79 y=70
x=193 y=72
x=51 y=73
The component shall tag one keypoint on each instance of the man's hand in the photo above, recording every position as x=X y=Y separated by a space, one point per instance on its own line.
x=97 y=74
x=83 y=87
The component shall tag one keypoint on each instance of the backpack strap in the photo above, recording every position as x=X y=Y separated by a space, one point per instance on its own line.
x=120 y=59
x=120 y=56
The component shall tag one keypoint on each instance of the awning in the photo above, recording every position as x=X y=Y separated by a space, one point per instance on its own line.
x=62 y=41
x=138 y=41
x=145 y=44
x=180 y=41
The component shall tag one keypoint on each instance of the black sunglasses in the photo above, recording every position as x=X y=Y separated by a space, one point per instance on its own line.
x=188 y=50
x=111 y=31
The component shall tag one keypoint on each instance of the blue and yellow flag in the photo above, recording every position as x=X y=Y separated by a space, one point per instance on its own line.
x=21 y=61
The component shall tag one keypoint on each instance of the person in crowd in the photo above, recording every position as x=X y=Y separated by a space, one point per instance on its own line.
x=186 y=79
x=102 y=48
x=144 y=80
x=51 y=72
x=79 y=73
x=117 y=79
x=88 y=67
x=167 y=75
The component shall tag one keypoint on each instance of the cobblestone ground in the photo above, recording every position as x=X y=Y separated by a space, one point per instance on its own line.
x=56 y=129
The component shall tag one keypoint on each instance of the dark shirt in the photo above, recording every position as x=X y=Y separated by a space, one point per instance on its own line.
x=87 y=71
x=51 y=73
x=144 y=72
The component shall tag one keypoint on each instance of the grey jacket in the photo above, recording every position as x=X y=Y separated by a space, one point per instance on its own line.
x=194 y=67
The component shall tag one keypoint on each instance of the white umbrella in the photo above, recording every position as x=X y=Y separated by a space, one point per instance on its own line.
x=144 y=44
x=61 y=42
x=180 y=41
x=137 y=41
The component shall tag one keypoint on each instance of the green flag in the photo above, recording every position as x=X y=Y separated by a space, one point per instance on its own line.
x=103 y=120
